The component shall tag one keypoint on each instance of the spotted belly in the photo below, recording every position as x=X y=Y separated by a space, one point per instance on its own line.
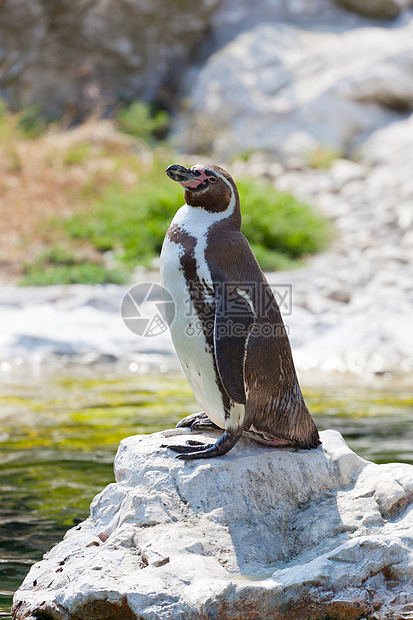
x=188 y=338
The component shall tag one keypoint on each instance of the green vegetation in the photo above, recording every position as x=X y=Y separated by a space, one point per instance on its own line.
x=60 y=265
x=15 y=127
x=138 y=121
x=24 y=124
x=114 y=196
x=77 y=154
x=281 y=229
x=133 y=221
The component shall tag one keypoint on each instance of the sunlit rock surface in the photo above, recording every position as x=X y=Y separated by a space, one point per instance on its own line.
x=288 y=90
x=258 y=533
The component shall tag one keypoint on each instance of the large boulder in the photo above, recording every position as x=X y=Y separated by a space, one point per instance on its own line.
x=74 y=56
x=258 y=533
x=284 y=90
x=233 y=17
x=391 y=148
x=376 y=8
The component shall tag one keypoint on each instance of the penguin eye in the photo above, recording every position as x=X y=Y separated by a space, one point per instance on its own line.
x=212 y=179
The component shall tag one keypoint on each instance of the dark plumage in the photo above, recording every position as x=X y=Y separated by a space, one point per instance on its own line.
x=249 y=355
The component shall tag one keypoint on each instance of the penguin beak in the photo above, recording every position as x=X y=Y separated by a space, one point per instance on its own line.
x=189 y=178
x=181 y=174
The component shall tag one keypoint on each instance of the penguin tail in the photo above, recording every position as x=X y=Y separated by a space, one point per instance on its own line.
x=282 y=442
x=269 y=440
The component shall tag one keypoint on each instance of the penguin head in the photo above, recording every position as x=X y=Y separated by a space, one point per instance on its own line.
x=208 y=187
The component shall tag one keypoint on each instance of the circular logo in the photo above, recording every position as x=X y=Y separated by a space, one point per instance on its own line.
x=147 y=309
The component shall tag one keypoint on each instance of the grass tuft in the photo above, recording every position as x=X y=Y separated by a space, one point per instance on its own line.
x=133 y=221
x=138 y=120
x=26 y=124
x=61 y=265
x=281 y=229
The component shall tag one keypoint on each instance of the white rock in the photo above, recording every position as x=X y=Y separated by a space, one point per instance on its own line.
x=288 y=91
x=263 y=532
x=391 y=147
x=233 y=16
x=343 y=171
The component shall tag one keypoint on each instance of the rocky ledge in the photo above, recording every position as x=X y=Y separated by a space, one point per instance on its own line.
x=258 y=533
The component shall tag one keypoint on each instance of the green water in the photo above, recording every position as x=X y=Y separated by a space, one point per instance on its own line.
x=59 y=436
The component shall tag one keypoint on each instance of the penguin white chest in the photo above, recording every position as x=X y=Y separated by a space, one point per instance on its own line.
x=187 y=329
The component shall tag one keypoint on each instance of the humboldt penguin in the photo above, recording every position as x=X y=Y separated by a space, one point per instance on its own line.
x=227 y=328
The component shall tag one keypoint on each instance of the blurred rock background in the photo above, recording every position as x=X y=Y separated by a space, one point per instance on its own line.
x=286 y=76
x=313 y=97
x=74 y=57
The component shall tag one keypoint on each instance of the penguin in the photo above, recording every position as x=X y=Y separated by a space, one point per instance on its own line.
x=227 y=327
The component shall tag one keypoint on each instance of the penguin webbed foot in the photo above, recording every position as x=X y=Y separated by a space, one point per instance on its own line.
x=197 y=421
x=192 y=448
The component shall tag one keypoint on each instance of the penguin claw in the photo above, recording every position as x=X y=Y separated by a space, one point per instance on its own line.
x=203 y=424
x=191 y=446
x=189 y=420
x=202 y=454
x=196 y=421
x=192 y=451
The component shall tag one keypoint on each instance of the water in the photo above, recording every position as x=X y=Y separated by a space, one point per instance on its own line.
x=60 y=435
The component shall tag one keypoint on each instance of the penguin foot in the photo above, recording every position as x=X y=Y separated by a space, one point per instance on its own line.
x=197 y=421
x=192 y=448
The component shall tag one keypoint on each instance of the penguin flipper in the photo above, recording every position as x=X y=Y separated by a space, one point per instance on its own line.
x=192 y=449
x=234 y=320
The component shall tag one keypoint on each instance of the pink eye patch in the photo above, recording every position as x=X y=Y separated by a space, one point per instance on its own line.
x=200 y=180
